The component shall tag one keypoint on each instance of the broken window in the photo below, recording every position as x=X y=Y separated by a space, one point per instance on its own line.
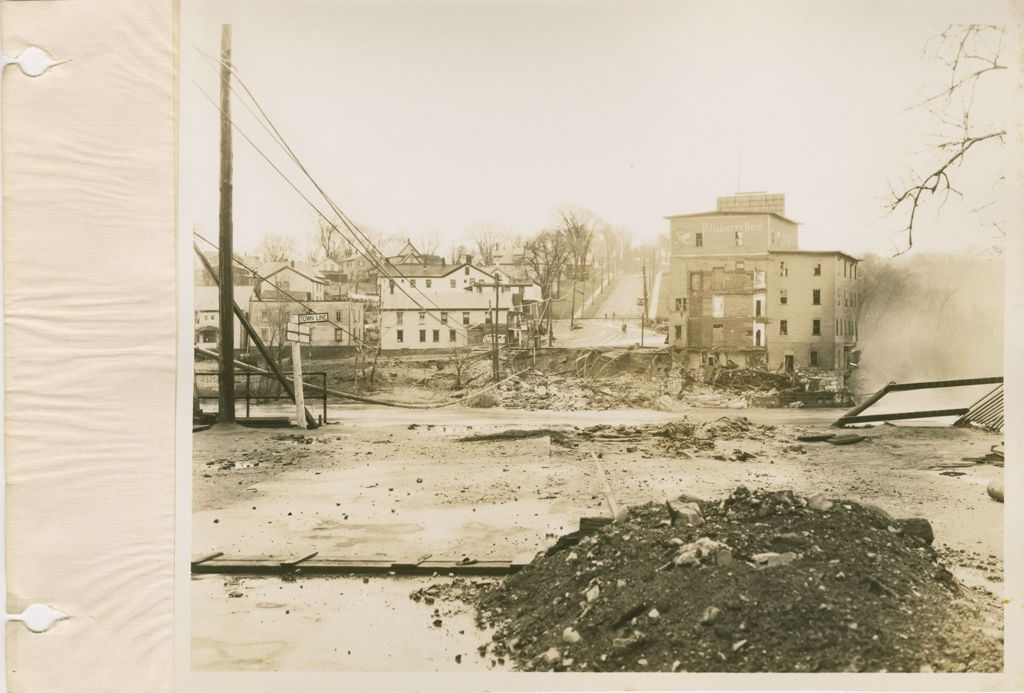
x=816 y=328
x=717 y=334
x=814 y=358
x=816 y=297
x=783 y=327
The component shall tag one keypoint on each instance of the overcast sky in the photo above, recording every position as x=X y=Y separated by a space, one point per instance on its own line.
x=428 y=117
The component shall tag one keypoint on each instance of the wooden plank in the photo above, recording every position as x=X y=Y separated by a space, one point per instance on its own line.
x=267 y=566
x=899 y=416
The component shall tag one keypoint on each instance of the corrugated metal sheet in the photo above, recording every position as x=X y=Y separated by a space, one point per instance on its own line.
x=987 y=412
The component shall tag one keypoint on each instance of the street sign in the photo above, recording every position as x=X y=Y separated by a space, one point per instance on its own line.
x=299 y=337
x=310 y=317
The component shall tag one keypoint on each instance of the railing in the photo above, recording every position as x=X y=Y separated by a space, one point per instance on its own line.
x=258 y=397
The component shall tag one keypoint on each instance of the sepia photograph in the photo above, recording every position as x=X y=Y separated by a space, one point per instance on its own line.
x=603 y=336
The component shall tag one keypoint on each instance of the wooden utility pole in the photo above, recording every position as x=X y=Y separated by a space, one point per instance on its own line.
x=226 y=372
x=300 y=399
x=643 y=315
x=494 y=336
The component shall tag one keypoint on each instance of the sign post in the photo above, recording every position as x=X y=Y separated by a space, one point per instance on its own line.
x=298 y=332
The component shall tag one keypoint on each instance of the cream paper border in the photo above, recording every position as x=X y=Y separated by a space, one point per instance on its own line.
x=90 y=251
x=89 y=312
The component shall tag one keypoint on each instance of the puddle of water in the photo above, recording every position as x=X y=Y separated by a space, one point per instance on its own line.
x=330 y=624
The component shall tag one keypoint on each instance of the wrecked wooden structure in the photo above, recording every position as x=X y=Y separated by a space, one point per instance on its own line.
x=987 y=411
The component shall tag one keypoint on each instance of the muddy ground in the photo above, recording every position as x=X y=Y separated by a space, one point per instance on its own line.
x=405 y=489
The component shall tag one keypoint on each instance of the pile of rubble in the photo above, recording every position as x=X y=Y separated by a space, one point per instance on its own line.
x=757 y=582
x=540 y=392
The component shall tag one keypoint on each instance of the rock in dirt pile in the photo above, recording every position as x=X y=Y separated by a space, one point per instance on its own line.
x=757 y=581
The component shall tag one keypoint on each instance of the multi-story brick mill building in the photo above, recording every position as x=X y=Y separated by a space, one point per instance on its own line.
x=742 y=290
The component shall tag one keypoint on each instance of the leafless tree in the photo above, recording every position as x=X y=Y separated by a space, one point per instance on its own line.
x=329 y=242
x=487 y=239
x=578 y=227
x=545 y=257
x=460 y=358
x=276 y=248
x=968 y=53
x=457 y=252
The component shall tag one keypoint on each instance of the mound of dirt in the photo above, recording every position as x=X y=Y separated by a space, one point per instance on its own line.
x=756 y=582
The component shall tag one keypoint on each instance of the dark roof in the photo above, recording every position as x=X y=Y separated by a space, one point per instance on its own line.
x=719 y=213
x=815 y=252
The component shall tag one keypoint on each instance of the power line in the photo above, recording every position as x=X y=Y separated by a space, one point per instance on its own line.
x=294 y=299
x=373 y=253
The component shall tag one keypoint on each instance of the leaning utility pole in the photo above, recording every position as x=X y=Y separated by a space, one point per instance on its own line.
x=226 y=374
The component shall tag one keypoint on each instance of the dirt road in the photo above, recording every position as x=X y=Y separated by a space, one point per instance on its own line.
x=388 y=490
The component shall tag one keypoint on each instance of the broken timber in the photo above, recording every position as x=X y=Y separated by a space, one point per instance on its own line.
x=987 y=412
x=855 y=416
x=325 y=566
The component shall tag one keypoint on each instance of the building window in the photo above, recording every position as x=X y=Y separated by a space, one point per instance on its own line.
x=400 y=336
x=337 y=316
x=695 y=284
x=679 y=331
x=817 y=270
x=814 y=358
x=783 y=298
x=783 y=270
x=339 y=334
x=759 y=279
x=846 y=299
x=398 y=317
x=430 y=283
x=451 y=335
x=757 y=338
x=700 y=240
x=451 y=283
x=487 y=318
x=412 y=283
x=846 y=267
x=757 y=308
x=739 y=238
x=423 y=335
x=437 y=336
x=265 y=333
x=718 y=306
x=467 y=270
x=423 y=317
x=816 y=297
x=679 y=305
x=685 y=304
x=816 y=328
x=783 y=327
x=391 y=285
x=444 y=317
x=740 y=264
x=465 y=317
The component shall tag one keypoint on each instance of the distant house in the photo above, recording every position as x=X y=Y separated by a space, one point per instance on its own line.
x=240 y=275
x=345 y=326
x=288 y=279
x=206 y=304
x=438 y=306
